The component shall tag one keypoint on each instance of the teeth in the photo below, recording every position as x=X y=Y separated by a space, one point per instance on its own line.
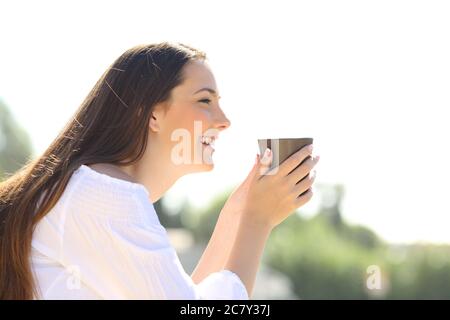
x=207 y=140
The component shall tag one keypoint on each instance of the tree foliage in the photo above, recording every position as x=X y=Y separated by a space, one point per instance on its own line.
x=15 y=144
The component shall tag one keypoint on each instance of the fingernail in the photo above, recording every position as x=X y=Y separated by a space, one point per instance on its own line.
x=310 y=147
x=266 y=156
x=317 y=158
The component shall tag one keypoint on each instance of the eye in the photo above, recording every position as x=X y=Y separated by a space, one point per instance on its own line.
x=207 y=101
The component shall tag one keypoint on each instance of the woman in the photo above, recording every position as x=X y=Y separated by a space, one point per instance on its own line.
x=78 y=221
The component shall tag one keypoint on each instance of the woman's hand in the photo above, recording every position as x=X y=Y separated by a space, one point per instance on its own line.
x=264 y=200
x=268 y=197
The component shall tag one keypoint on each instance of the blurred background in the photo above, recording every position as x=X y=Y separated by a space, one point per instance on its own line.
x=368 y=80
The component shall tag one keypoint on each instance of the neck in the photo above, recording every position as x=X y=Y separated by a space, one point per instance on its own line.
x=154 y=173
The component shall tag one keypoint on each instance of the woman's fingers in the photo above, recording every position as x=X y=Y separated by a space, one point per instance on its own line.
x=304 y=198
x=294 y=160
x=289 y=164
x=302 y=171
x=272 y=195
x=265 y=162
x=304 y=184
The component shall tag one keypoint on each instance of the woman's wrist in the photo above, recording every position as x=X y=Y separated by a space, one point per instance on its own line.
x=249 y=222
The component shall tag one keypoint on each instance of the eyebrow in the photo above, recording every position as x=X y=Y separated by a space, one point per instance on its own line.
x=212 y=91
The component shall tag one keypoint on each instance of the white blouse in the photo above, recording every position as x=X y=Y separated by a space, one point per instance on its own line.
x=103 y=240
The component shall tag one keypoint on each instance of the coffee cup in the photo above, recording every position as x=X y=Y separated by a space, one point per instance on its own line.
x=282 y=148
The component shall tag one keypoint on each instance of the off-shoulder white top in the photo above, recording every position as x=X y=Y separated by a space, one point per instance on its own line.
x=103 y=240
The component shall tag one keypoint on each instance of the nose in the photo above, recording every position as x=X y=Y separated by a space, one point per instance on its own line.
x=222 y=123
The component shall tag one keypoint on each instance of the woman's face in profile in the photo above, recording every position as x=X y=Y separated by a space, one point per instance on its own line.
x=193 y=118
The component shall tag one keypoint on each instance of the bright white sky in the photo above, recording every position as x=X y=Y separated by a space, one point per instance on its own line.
x=369 y=80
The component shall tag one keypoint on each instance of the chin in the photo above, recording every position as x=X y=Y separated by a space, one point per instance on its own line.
x=206 y=167
x=203 y=162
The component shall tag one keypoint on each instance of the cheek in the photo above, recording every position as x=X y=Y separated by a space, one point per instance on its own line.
x=196 y=121
x=192 y=120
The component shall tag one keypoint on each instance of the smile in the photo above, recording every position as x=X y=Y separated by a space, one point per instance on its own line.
x=208 y=140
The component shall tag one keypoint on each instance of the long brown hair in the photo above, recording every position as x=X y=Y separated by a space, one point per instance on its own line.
x=110 y=126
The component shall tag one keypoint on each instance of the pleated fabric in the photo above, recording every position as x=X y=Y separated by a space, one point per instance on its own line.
x=103 y=240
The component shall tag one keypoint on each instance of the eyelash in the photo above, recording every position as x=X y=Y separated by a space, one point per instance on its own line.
x=209 y=100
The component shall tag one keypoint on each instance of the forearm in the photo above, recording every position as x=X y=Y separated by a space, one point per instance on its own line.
x=246 y=253
x=219 y=246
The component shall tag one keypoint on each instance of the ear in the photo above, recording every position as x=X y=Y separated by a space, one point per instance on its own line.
x=157 y=118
